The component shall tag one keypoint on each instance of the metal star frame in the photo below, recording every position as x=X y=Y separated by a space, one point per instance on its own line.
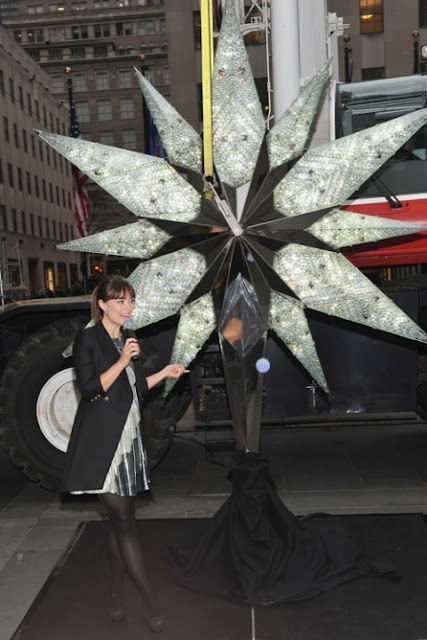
x=264 y=245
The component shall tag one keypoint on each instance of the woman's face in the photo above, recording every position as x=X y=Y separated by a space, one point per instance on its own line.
x=117 y=310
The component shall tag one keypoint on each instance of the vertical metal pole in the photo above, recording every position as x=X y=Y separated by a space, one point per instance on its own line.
x=206 y=20
x=285 y=49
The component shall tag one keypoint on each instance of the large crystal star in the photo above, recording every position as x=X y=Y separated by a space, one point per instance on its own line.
x=265 y=244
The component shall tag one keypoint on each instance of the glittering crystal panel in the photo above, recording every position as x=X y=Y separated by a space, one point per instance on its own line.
x=241 y=321
x=195 y=326
x=146 y=185
x=238 y=122
x=182 y=143
x=328 y=282
x=137 y=240
x=327 y=175
x=287 y=138
x=163 y=284
x=287 y=319
x=347 y=228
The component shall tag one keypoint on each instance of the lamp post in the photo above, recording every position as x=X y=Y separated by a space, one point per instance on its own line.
x=416 y=35
x=348 y=60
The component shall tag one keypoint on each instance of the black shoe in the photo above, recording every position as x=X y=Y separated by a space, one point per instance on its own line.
x=156 y=623
x=115 y=608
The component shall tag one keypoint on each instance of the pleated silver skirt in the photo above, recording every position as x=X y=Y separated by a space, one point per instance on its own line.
x=128 y=472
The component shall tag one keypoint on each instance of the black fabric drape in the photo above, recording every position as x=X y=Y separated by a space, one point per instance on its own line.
x=256 y=551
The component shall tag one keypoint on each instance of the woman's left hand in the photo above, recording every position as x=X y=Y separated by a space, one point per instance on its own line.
x=175 y=370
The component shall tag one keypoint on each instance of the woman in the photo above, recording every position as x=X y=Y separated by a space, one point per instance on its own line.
x=106 y=453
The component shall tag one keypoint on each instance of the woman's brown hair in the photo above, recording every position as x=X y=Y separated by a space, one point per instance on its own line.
x=110 y=288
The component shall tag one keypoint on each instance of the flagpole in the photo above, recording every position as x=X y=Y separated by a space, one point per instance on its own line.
x=80 y=197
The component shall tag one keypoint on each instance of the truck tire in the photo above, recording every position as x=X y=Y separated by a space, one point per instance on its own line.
x=36 y=384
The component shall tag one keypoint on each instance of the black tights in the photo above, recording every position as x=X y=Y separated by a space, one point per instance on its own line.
x=125 y=550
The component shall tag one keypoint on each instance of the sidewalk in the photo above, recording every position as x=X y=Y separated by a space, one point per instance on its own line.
x=347 y=470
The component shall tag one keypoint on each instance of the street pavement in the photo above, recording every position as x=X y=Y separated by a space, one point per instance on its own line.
x=336 y=470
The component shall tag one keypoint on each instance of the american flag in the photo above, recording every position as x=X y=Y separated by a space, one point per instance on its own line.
x=81 y=200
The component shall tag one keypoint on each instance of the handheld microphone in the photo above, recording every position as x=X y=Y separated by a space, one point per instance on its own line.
x=128 y=332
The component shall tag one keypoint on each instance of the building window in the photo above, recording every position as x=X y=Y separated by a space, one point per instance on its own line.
x=78 y=52
x=23 y=222
x=51 y=192
x=6 y=129
x=35 y=35
x=162 y=24
x=101 y=4
x=28 y=182
x=149 y=74
x=80 y=81
x=36 y=186
x=58 y=200
x=15 y=135
x=17 y=36
x=48 y=156
x=422 y=14
x=32 y=224
x=14 y=221
x=41 y=150
x=57 y=34
x=35 y=55
x=129 y=139
x=125 y=79
x=197 y=30
x=100 y=51
x=19 y=173
x=37 y=110
x=45 y=116
x=124 y=28
x=371 y=16
x=373 y=73
x=30 y=104
x=3 y=216
x=33 y=146
x=11 y=90
x=54 y=54
x=2 y=90
x=127 y=109
x=39 y=220
x=106 y=137
x=146 y=26
x=21 y=98
x=101 y=30
x=46 y=224
x=166 y=75
x=79 y=32
x=44 y=189
x=79 y=6
x=102 y=80
x=57 y=6
x=82 y=109
x=39 y=8
x=61 y=236
x=57 y=83
x=10 y=174
x=104 y=110
x=122 y=3
x=24 y=140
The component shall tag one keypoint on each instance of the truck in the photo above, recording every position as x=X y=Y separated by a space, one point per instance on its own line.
x=374 y=378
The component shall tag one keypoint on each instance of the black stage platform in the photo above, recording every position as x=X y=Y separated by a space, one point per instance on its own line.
x=72 y=603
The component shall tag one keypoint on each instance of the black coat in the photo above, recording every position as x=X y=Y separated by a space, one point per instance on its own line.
x=101 y=415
